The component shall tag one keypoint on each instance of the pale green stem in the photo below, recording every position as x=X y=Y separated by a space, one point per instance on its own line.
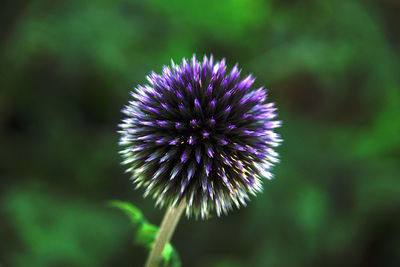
x=168 y=225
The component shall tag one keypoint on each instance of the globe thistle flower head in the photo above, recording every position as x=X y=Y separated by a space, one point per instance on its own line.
x=200 y=134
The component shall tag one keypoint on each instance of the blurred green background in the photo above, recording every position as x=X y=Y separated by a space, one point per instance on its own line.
x=332 y=67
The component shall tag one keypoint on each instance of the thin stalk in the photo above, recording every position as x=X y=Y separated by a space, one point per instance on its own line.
x=168 y=225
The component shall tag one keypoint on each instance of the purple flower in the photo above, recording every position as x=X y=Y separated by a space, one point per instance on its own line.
x=199 y=134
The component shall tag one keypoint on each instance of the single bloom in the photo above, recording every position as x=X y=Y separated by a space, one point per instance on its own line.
x=200 y=134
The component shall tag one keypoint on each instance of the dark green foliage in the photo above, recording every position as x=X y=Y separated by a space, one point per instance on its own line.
x=45 y=230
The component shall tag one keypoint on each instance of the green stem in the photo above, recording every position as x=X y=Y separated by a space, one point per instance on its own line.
x=168 y=225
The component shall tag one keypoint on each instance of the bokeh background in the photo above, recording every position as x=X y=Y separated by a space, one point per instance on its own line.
x=332 y=67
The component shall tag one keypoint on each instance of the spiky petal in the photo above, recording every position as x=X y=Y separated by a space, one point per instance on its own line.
x=199 y=134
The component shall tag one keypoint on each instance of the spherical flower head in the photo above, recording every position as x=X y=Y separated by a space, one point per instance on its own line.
x=199 y=134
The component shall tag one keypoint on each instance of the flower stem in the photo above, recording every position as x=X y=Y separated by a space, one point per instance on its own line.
x=168 y=225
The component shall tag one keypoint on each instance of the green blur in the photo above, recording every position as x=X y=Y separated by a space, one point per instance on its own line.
x=332 y=67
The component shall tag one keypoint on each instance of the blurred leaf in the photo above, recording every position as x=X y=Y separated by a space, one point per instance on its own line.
x=55 y=232
x=146 y=233
x=230 y=19
x=134 y=214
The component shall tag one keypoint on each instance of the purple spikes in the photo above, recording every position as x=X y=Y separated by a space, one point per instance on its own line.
x=212 y=104
x=190 y=140
x=228 y=95
x=209 y=89
x=189 y=88
x=249 y=133
x=193 y=122
x=222 y=68
x=197 y=104
x=165 y=106
x=272 y=124
x=228 y=110
x=195 y=64
x=212 y=121
x=184 y=183
x=252 y=150
x=246 y=116
x=246 y=83
x=153 y=156
x=240 y=148
x=162 y=123
x=164 y=158
x=185 y=155
x=152 y=109
x=211 y=62
x=204 y=66
x=145 y=138
x=208 y=168
x=185 y=65
x=199 y=133
x=174 y=141
x=227 y=161
x=198 y=155
x=175 y=171
x=158 y=172
x=191 y=171
x=190 y=174
x=210 y=152
x=160 y=141
x=179 y=94
x=234 y=74
x=138 y=148
x=204 y=184
x=147 y=123
x=226 y=182
x=223 y=142
x=210 y=191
